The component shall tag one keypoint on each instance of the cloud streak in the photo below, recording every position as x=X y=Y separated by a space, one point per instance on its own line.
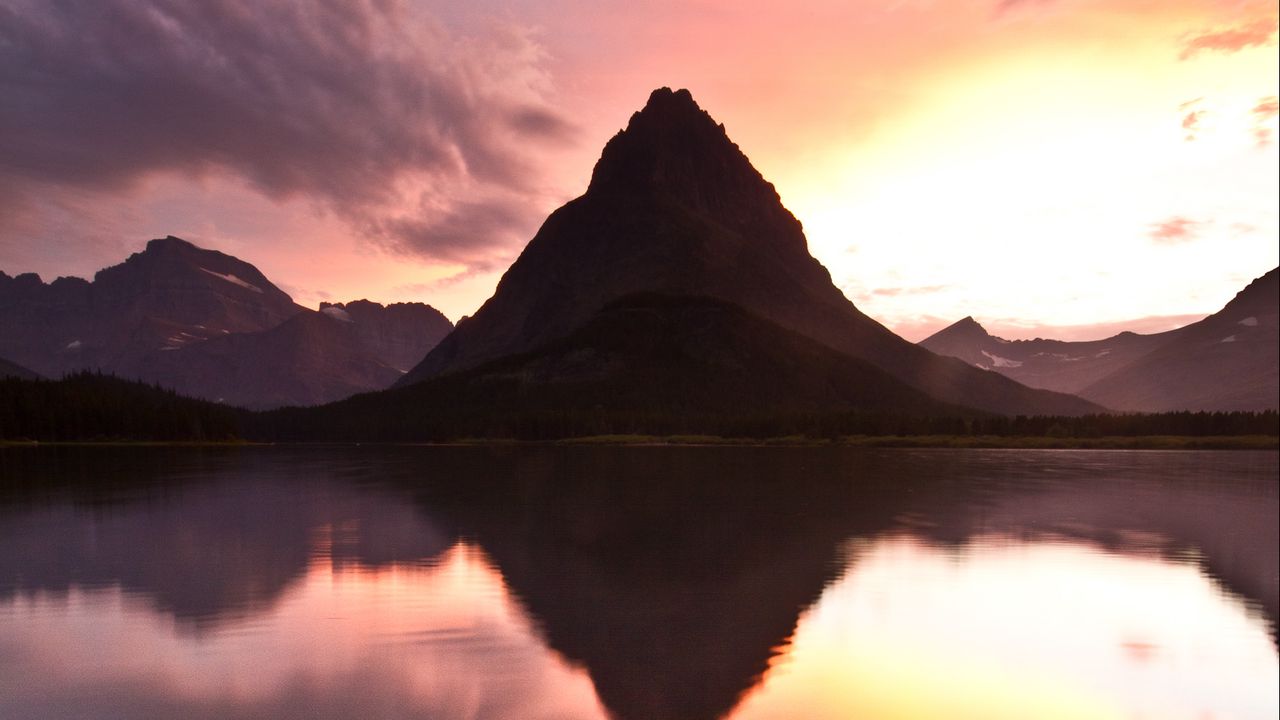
x=1253 y=34
x=1175 y=230
x=361 y=106
x=1266 y=109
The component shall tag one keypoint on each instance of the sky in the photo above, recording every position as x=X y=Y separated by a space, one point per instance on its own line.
x=1055 y=168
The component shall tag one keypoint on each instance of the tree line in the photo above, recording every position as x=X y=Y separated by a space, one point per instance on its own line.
x=96 y=407
x=90 y=406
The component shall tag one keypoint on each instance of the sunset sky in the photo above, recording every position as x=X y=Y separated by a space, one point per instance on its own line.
x=1064 y=168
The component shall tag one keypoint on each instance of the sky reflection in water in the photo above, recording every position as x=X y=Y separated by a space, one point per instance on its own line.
x=346 y=599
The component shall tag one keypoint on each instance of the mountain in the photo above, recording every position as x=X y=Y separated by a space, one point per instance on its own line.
x=1051 y=364
x=675 y=208
x=1227 y=361
x=170 y=295
x=398 y=334
x=210 y=326
x=644 y=364
x=309 y=359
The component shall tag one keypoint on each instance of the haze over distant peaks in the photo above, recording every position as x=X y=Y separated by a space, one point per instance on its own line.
x=675 y=208
x=1227 y=361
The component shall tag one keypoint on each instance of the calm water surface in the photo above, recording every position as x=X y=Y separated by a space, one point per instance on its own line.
x=683 y=583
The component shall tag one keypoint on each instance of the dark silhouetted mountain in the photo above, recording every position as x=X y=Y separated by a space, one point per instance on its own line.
x=645 y=363
x=675 y=208
x=13 y=370
x=212 y=327
x=1228 y=361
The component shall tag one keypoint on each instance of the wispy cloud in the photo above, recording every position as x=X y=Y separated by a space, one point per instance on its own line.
x=1005 y=6
x=357 y=105
x=1175 y=230
x=1266 y=109
x=897 y=291
x=1251 y=34
x=1191 y=123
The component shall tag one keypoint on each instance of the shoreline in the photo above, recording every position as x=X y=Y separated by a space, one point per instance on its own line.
x=976 y=442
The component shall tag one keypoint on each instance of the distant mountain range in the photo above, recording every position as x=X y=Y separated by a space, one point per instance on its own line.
x=676 y=294
x=1227 y=361
x=210 y=326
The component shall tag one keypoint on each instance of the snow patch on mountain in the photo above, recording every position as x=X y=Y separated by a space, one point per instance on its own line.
x=1004 y=362
x=337 y=313
x=234 y=280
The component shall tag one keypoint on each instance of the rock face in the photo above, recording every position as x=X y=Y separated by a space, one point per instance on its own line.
x=1227 y=361
x=398 y=334
x=170 y=295
x=675 y=208
x=211 y=326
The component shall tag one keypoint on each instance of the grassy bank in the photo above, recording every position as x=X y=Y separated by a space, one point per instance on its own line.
x=1145 y=442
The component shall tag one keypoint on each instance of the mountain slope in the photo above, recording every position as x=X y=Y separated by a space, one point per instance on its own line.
x=1227 y=361
x=674 y=207
x=1050 y=364
x=309 y=359
x=398 y=335
x=645 y=363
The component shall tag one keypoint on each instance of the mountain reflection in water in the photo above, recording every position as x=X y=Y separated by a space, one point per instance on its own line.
x=688 y=583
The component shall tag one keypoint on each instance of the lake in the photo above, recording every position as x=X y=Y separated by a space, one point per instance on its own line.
x=637 y=582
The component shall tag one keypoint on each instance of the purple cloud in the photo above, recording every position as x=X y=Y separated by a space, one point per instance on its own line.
x=342 y=102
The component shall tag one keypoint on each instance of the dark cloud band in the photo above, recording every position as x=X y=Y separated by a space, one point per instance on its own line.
x=345 y=102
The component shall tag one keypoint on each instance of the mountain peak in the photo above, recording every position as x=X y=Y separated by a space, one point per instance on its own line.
x=673 y=148
x=671 y=103
x=169 y=242
x=967 y=328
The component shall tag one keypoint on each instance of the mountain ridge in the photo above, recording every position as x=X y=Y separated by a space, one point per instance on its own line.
x=211 y=326
x=1225 y=361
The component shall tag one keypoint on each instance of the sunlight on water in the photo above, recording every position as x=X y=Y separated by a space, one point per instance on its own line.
x=440 y=641
x=999 y=629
